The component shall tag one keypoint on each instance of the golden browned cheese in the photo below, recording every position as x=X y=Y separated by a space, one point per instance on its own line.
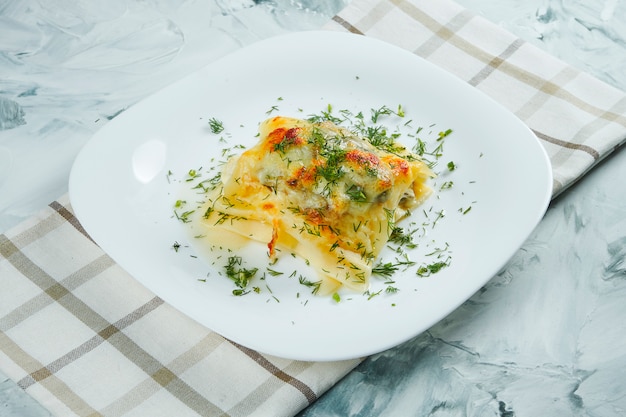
x=319 y=191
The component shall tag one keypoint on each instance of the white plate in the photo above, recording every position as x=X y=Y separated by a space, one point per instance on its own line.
x=120 y=191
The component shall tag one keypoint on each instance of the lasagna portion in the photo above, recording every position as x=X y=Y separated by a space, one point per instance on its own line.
x=318 y=191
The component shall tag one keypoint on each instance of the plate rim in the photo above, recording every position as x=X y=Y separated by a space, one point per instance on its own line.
x=302 y=37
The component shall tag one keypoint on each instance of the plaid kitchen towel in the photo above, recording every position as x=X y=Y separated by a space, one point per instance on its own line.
x=578 y=119
x=85 y=339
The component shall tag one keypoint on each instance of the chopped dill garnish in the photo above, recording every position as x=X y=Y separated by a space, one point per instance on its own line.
x=272 y=110
x=387 y=269
x=446 y=185
x=356 y=193
x=216 y=125
x=184 y=217
x=315 y=286
x=402 y=238
x=239 y=275
x=371 y=295
x=433 y=268
x=193 y=174
x=391 y=290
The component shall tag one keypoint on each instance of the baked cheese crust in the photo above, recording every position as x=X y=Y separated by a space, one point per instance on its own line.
x=321 y=192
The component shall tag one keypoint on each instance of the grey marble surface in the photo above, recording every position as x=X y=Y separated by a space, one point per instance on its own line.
x=545 y=337
x=67 y=67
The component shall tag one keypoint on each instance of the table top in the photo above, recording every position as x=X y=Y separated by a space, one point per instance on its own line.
x=552 y=321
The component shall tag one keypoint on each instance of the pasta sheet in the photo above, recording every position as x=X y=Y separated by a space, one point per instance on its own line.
x=321 y=192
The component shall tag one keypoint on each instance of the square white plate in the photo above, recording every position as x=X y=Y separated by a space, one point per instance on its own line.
x=123 y=196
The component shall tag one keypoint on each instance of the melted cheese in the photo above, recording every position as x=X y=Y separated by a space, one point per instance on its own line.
x=321 y=192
